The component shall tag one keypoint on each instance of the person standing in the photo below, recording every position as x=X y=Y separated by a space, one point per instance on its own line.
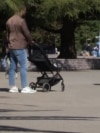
x=18 y=36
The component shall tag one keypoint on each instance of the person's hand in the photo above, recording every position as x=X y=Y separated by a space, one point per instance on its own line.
x=33 y=42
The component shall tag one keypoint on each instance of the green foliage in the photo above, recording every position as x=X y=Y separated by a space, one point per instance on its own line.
x=88 y=30
x=50 y=14
x=54 y=10
x=45 y=37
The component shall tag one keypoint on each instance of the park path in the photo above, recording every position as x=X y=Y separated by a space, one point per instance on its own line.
x=76 y=110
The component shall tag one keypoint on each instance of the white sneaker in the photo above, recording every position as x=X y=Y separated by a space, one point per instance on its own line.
x=28 y=90
x=13 y=89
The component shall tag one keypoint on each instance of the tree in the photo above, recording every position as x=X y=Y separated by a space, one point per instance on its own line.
x=59 y=16
x=64 y=16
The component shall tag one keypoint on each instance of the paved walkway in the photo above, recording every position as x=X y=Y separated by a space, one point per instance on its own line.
x=76 y=110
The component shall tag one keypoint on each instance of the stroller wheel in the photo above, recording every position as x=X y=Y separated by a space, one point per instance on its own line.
x=46 y=87
x=32 y=85
x=62 y=86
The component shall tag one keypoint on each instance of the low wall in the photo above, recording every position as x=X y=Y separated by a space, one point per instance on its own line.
x=78 y=64
x=81 y=63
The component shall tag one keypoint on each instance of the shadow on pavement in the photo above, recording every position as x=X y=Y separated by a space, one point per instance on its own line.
x=4 y=89
x=19 y=129
x=38 y=90
x=96 y=84
x=11 y=110
x=49 y=118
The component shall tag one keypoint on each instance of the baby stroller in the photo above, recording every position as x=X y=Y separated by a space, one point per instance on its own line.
x=50 y=72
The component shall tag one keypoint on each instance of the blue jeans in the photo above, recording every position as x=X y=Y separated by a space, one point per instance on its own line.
x=18 y=57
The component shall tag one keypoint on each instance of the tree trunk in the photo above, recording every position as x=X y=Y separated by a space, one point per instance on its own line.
x=67 y=48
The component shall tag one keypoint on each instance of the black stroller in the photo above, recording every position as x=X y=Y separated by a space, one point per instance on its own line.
x=50 y=72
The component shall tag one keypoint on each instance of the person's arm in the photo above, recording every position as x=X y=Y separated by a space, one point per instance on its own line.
x=26 y=32
x=7 y=32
